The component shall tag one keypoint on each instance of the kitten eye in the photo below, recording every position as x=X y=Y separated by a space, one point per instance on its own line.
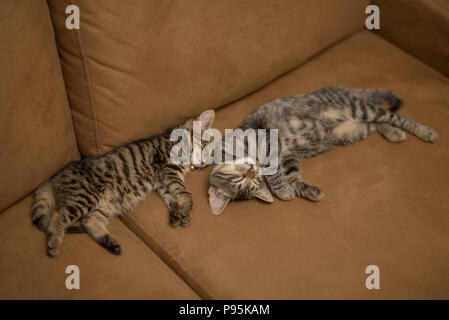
x=192 y=167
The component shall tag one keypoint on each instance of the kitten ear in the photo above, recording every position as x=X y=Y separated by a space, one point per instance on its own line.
x=263 y=193
x=207 y=118
x=217 y=200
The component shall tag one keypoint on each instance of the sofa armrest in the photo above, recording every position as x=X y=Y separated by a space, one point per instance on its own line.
x=420 y=27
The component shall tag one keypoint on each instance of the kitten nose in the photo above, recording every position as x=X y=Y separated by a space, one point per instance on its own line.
x=251 y=173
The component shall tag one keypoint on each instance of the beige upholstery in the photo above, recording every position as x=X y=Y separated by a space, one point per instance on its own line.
x=135 y=70
x=36 y=132
x=385 y=204
x=130 y=80
x=421 y=27
x=28 y=273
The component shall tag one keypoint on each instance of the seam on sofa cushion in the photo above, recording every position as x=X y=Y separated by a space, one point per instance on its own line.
x=165 y=256
x=89 y=89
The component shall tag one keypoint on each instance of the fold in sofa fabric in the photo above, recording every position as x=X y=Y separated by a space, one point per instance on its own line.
x=420 y=27
x=385 y=204
x=135 y=70
x=36 y=132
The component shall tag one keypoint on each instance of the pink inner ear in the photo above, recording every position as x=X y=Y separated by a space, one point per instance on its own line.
x=206 y=118
x=217 y=200
x=264 y=194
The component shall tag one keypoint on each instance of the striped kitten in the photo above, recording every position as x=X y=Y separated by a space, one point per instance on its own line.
x=93 y=190
x=310 y=124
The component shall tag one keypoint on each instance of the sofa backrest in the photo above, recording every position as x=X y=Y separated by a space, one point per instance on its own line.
x=136 y=68
x=36 y=131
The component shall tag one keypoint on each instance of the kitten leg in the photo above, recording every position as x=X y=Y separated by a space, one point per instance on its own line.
x=279 y=185
x=379 y=97
x=175 y=195
x=59 y=222
x=378 y=115
x=95 y=225
x=292 y=173
x=391 y=133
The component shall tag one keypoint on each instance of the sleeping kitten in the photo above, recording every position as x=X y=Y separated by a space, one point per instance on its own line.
x=310 y=124
x=94 y=190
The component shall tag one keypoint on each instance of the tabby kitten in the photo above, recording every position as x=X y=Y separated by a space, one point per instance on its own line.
x=93 y=190
x=307 y=125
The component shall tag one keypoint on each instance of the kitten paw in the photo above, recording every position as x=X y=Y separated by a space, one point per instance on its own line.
x=427 y=134
x=52 y=252
x=391 y=133
x=311 y=193
x=180 y=213
x=402 y=136
x=185 y=222
x=174 y=221
x=110 y=244
x=396 y=136
x=286 y=193
x=115 y=249
x=53 y=244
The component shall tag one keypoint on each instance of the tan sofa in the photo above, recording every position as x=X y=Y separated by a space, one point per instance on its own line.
x=135 y=68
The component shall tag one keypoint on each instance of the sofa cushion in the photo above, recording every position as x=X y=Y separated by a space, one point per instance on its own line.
x=28 y=273
x=128 y=80
x=36 y=133
x=385 y=204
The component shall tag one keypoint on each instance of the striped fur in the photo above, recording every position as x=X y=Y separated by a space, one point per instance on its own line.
x=93 y=190
x=308 y=125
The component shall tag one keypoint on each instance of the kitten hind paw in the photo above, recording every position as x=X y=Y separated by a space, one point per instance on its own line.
x=427 y=134
x=110 y=244
x=396 y=136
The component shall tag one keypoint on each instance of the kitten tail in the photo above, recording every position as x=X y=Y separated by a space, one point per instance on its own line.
x=42 y=206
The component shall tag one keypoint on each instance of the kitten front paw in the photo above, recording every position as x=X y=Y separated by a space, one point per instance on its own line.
x=180 y=213
x=311 y=193
x=53 y=252
x=286 y=193
x=53 y=244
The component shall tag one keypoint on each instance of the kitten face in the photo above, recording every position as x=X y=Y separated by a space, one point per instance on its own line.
x=236 y=182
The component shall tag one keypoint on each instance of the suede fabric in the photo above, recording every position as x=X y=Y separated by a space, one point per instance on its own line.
x=36 y=132
x=128 y=81
x=420 y=27
x=385 y=204
x=28 y=273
